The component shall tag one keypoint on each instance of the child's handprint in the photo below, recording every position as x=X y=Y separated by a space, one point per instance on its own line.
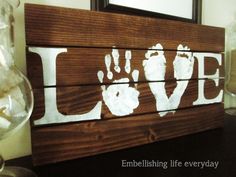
x=120 y=98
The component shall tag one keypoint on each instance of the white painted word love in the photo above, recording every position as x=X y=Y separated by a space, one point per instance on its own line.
x=121 y=99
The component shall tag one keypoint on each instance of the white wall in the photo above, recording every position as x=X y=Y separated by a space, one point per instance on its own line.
x=218 y=12
x=214 y=12
x=20 y=144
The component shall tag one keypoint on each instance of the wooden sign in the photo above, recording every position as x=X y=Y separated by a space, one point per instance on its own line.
x=104 y=82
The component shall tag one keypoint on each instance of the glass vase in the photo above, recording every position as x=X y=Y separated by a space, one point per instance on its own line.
x=16 y=96
x=230 y=80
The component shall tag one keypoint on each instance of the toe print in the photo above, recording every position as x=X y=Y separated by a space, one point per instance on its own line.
x=120 y=98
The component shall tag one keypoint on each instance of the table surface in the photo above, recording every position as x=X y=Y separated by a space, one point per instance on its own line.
x=217 y=145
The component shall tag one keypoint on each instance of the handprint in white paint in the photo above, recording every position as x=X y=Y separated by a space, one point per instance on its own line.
x=120 y=98
x=155 y=69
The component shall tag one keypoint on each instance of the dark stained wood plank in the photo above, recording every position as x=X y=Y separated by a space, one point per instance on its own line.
x=71 y=141
x=89 y=36
x=82 y=99
x=56 y=26
x=79 y=66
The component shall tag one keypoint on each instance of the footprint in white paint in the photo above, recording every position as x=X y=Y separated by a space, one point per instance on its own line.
x=155 y=69
x=121 y=99
x=183 y=63
x=183 y=70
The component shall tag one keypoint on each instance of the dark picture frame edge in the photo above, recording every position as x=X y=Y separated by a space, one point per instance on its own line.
x=105 y=6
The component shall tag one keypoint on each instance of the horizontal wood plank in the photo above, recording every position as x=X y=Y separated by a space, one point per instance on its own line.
x=87 y=38
x=79 y=66
x=56 y=26
x=71 y=141
x=82 y=99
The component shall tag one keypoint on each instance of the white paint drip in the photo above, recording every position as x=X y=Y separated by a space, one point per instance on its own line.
x=128 y=57
x=115 y=55
x=108 y=66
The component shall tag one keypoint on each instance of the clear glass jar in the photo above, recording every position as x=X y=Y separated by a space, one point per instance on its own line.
x=7 y=30
x=230 y=78
x=16 y=96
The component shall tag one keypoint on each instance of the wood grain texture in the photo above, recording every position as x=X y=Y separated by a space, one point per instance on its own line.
x=82 y=99
x=89 y=36
x=71 y=141
x=56 y=26
x=79 y=66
